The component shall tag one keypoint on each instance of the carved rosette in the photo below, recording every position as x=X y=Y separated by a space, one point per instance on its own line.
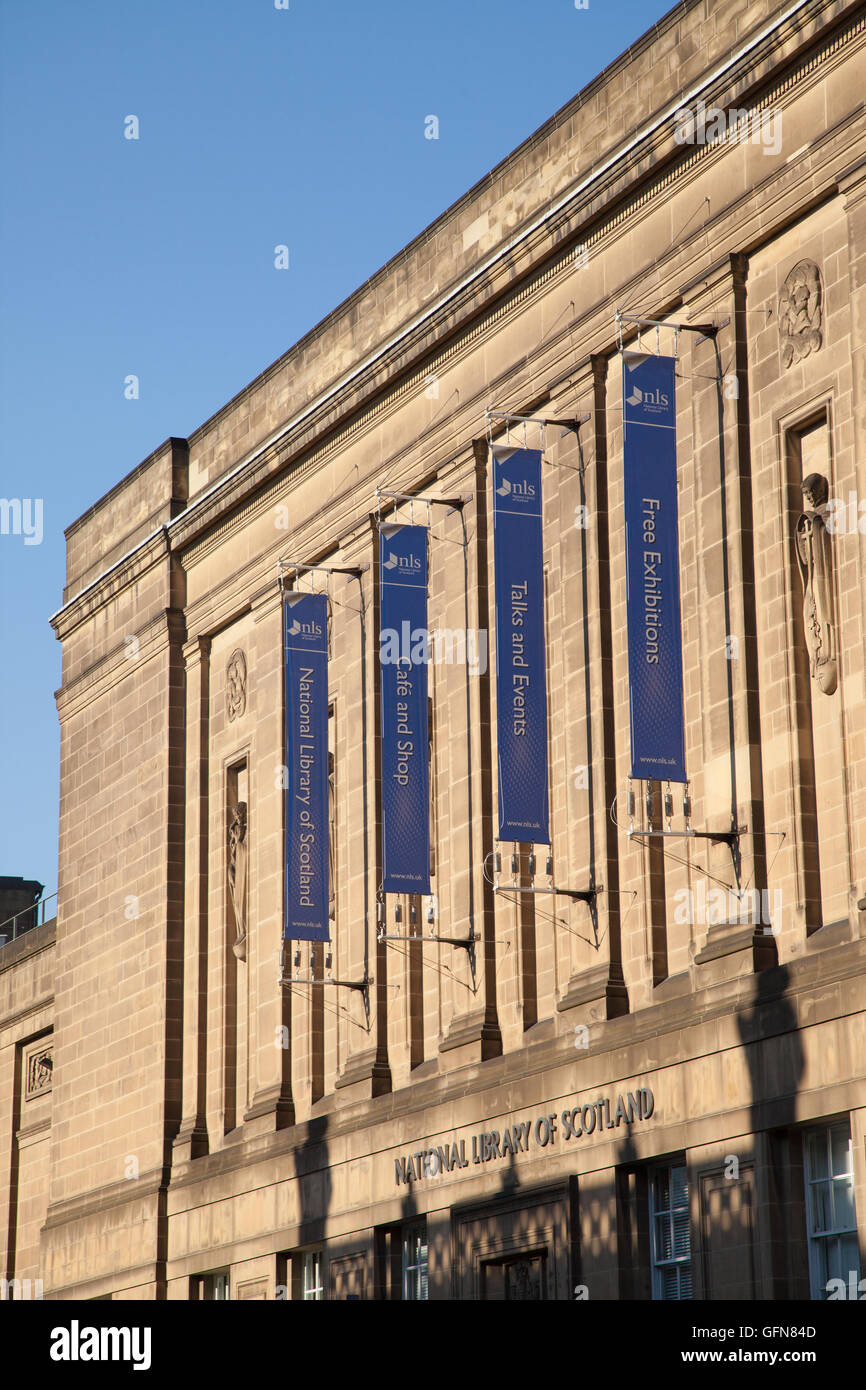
x=236 y=685
x=800 y=312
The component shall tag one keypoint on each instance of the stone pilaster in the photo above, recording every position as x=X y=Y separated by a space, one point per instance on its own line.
x=729 y=786
x=272 y=1105
x=192 y=1138
x=365 y=1070
x=853 y=188
x=595 y=988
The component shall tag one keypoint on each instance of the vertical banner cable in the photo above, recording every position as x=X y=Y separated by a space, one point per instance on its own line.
x=655 y=660
x=305 y=648
x=521 y=678
x=404 y=657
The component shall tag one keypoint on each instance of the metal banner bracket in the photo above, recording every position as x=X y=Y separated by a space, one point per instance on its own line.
x=708 y=330
x=722 y=837
x=584 y=895
x=354 y=571
x=342 y=984
x=731 y=838
x=453 y=503
x=298 y=979
x=570 y=424
x=466 y=942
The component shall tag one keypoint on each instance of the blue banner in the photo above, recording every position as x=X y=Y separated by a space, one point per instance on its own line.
x=655 y=658
x=521 y=669
x=404 y=653
x=305 y=642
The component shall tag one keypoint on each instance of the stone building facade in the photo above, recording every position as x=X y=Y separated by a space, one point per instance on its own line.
x=656 y=1092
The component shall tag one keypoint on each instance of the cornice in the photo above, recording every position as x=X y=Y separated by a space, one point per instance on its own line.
x=649 y=163
x=167 y=627
x=45 y=1001
x=126 y=571
x=25 y=947
x=652 y=167
x=619 y=1048
x=577 y=341
x=789 y=25
x=95 y=1203
x=499 y=172
x=575 y=348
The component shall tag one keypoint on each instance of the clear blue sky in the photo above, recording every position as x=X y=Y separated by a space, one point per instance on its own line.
x=155 y=256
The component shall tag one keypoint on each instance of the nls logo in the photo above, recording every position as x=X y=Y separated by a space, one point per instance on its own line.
x=639 y=397
x=506 y=488
x=309 y=629
x=403 y=562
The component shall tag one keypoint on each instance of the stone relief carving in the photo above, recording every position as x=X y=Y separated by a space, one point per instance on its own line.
x=800 y=311
x=236 y=685
x=815 y=562
x=238 y=876
x=523 y=1280
x=40 y=1072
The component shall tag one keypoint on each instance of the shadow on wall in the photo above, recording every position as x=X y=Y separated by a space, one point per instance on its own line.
x=738 y=1215
x=313 y=1168
x=735 y=1215
x=774 y=1055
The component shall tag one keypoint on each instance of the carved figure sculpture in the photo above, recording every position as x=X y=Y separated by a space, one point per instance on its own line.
x=238 y=876
x=815 y=561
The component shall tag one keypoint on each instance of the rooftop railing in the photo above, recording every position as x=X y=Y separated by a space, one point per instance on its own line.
x=25 y=920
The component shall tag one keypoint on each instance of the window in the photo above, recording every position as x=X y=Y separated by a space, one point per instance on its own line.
x=415 y=1261
x=400 y=1261
x=301 y=1276
x=207 y=1287
x=313 y=1286
x=669 y=1215
x=832 y=1222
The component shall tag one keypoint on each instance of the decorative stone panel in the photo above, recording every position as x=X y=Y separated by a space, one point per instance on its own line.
x=236 y=685
x=38 y=1069
x=800 y=312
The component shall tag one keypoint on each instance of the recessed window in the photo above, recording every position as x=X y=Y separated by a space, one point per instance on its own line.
x=313 y=1287
x=210 y=1287
x=671 y=1249
x=832 y=1221
x=415 y=1261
